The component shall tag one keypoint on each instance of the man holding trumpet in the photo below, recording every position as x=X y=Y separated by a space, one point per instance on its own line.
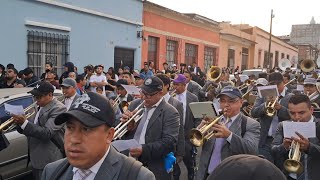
x=300 y=110
x=234 y=134
x=157 y=130
x=269 y=121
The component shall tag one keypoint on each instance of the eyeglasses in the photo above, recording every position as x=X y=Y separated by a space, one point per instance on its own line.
x=229 y=101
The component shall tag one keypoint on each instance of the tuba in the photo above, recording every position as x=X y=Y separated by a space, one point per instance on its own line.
x=214 y=73
x=284 y=64
x=307 y=65
x=293 y=164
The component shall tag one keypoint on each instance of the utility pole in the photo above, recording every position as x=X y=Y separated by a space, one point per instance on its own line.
x=269 y=53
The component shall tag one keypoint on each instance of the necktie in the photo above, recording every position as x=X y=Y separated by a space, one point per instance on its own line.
x=216 y=154
x=83 y=173
x=143 y=120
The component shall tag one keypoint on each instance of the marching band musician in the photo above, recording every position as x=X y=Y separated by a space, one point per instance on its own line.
x=300 y=110
x=240 y=135
x=310 y=89
x=157 y=130
x=189 y=122
x=69 y=89
x=180 y=149
x=123 y=94
x=191 y=85
x=269 y=123
x=45 y=139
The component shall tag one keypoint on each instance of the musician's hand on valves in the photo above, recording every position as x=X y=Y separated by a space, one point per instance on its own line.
x=221 y=130
x=287 y=143
x=125 y=117
x=277 y=106
x=204 y=121
x=304 y=142
x=19 y=119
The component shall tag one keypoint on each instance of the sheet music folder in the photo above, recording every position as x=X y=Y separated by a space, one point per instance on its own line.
x=201 y=109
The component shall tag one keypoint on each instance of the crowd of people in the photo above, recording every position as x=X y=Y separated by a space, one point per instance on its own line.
x=71 y=137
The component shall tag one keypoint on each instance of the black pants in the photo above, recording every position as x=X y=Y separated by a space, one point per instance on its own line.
x=189 y=160
x=37 y=173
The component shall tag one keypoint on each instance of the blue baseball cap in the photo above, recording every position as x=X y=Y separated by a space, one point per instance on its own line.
x=231 y=92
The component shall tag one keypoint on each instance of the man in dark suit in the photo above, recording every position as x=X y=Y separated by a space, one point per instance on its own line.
x=180 y=149
x=45 y=139
x=87 y=138
x=191 y=85
x=189 y=121
x=234 y=134
x=157 y=130
x=125 y=98
x=69 y=90
x=269 y=123
x=300 y=110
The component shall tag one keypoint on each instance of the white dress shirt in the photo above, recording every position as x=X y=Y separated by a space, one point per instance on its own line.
x=35 y=121
x=144 y=128
x=183 y=98
x=68 y=101
x=167 y=97
x=94 y=169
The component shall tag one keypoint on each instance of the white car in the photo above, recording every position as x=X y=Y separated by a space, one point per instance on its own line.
x=242 y=77
x=255 y=72
x=13 y=159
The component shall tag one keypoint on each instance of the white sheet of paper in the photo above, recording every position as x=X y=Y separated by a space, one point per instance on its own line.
x=14 y=109
x=306 y=129
x=122 y=145
x=131 y=89
x=268 y=91
x=200 y=109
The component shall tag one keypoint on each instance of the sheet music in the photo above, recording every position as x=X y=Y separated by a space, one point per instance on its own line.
x=268 y=91
x=200 y=109
x=14 y=109
x=122 y=145
x=131 y=89
x=306 y=129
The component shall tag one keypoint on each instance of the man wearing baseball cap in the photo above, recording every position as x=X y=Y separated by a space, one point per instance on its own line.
x=45 y=139
x=88 y=136
x=310 y=89
x=69 y=89
x=269 y=123
x=234 y=134
x=157 y=130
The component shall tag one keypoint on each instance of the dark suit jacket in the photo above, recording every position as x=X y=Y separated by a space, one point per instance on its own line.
x=258 y=111
x=109 y=169
x=194 y=88
x=41 y=148
x=248 y=144
x=181 y=142
x=75 y=98
x=281 y=154
x=190 y=121
x=161 y=137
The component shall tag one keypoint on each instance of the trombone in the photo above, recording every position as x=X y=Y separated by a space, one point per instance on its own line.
x=121 y=128
x=293 y=164
x=286 y=84
x=199 y=135
x=9 y=124
x=270 y=109
x=116 y=103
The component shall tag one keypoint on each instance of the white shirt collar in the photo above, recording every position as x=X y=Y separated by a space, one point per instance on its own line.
x=234 y=117
x=166 y=97
x=311 y=119
x=72 y=97
x=95 y=168
x=283 y=93
x=184 y=94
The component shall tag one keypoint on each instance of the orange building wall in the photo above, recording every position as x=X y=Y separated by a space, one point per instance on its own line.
x=171 y=27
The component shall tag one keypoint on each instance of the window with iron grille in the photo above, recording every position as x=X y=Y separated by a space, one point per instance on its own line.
x=191 y=54
x=46 y=47
x=245 y=57
x=153 y=49
x=172 y=51
x=209 y=58
x=231 y=56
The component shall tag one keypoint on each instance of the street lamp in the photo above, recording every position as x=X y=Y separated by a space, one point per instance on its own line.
x=269 y=53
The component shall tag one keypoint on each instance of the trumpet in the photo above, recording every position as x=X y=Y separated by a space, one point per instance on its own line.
x=9 y=124
x=270 y=109
x=116 y=103
x=173 y=93
x=311 y=97
x=199 y=135
x=247 y=84
x=286 y=84
x=121 y=128
x=293 y=164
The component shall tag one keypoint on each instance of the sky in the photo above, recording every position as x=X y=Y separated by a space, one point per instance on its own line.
x=252 y=12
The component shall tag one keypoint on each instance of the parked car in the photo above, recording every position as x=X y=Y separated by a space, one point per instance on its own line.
x=13 y=159
x=255 y=72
